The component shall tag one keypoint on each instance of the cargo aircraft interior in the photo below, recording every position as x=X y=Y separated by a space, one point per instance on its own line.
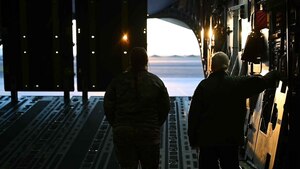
x=70 y=131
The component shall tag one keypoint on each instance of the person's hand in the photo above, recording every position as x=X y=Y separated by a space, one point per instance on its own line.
x=273 y=77
x=276 y=74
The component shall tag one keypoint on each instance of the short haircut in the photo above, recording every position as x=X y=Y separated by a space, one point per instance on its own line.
x=220 y=61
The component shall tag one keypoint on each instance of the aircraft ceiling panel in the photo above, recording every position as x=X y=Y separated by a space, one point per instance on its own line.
x=155 y=6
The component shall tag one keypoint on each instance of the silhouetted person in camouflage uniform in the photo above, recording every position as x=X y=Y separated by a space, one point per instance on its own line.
x=136 y=104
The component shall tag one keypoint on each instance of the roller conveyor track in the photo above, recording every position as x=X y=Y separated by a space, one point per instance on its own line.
x=44 y=132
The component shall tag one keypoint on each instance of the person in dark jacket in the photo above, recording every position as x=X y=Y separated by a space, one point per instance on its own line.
x=136 y=104
x=217 y=113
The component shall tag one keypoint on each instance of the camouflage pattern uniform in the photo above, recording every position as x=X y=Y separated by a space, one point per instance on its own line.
x=136 y=106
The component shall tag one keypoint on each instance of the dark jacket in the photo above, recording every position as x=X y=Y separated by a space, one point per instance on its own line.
x=218 y=107
x=137 y=103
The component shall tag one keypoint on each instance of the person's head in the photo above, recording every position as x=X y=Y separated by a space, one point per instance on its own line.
x=219 y=61
x=138 y=58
